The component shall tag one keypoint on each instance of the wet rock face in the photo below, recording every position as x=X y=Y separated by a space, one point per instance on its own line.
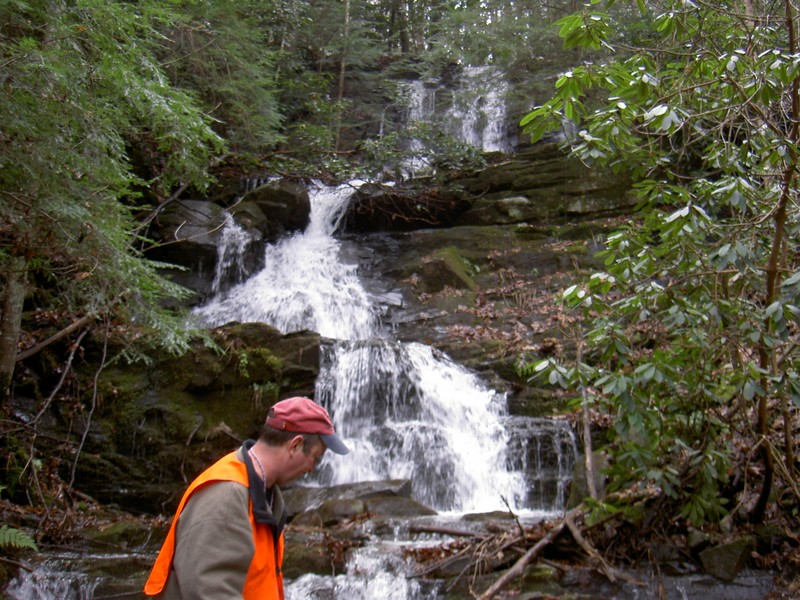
x=189 y=233
x=160 y=425
x=285 y=206
x=326 y=506
x=376 y=207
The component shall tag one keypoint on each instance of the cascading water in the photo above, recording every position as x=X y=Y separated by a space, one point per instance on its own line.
x=405 y=410
x=411 y=413
x=477 y=113
x=51 y=582
x=303 y=284
x=230 y=249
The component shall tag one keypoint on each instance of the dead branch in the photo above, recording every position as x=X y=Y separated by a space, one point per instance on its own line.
x=15 y=563
x=475 y=553
x=441 y=530
x=95 y=385
x=610 y=572
x=74 y=326
x=587 y=434
x=61 y=380
x=519 y=567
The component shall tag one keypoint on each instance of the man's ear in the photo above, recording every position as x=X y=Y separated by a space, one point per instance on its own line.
x=296 y=443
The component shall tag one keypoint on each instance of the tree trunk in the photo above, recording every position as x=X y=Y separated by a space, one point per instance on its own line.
x=12 y=297
x=342 y=72
x=766 y=357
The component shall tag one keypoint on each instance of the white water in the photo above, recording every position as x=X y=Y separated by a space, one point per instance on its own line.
x=406 y=411
x=232 y=245
x=51 y=582
x=374 y=572
x=303 y=284
x=477 y=115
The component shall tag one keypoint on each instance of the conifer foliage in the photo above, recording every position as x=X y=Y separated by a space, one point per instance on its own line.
x=81 y=90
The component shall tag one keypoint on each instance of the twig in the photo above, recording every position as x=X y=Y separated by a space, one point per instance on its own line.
x=52 y=395
x=587 y=434
x=15 y=563
x=94 y=406
x=519 y=567
x=186 y=445
x=513 y=514
x=441 y=530
x=610 y=572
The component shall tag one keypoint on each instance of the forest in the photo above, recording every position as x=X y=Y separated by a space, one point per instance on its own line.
x=684 y=347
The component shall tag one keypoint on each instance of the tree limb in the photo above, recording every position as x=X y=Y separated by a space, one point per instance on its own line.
x=74 y=326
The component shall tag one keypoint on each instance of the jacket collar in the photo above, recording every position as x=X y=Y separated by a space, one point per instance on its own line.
x=261 y=509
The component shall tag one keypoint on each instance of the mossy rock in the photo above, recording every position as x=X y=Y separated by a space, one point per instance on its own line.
x=444 y=268
x=126 y=533
x=309 y=550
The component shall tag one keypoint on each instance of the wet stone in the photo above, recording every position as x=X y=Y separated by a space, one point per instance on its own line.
x=725 y=561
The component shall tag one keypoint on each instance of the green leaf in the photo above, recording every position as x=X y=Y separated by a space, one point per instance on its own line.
x=16 y=539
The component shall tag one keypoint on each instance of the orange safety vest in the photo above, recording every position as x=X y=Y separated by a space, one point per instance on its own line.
x=264 y=578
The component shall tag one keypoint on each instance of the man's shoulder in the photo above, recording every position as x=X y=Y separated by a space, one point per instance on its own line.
x=216 y=498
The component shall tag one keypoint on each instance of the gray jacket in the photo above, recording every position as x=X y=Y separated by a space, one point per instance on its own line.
x=214 y=540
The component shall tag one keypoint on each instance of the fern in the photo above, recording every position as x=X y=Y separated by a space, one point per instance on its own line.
x=16 y=538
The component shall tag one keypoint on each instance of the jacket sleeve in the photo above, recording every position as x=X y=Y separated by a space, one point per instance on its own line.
x=214 y=543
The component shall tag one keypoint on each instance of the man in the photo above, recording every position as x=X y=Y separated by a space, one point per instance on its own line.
x=226 y=540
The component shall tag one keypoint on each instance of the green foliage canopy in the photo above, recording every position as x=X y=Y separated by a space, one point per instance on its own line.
x=691 y=339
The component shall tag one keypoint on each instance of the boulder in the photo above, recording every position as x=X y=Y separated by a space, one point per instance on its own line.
x=725 y=561
x=396 y=506
x=441 y=269
x=190 y=234
x=326 y=506
x=300 y=499
x=375 y=207
x=340 y=510
x=313 y=551
x=282 y=207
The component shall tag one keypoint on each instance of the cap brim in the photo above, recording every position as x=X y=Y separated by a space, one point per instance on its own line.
x=334 y=443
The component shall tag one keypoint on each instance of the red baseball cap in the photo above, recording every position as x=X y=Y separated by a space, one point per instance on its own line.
x=301 y=415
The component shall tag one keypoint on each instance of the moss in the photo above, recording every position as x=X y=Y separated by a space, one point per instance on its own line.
x=125 y=534
x=539 y=402
x=459 y=265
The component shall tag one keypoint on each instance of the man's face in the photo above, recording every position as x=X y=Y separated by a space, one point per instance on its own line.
x=299 y=463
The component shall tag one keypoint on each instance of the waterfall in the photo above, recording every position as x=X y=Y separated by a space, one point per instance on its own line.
x=303 y=284
x=408 y=412
x=477 y=114
x=405 y=410
x=232 y=245
x=420 y=98
x=545 y=450
x=421 y=101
